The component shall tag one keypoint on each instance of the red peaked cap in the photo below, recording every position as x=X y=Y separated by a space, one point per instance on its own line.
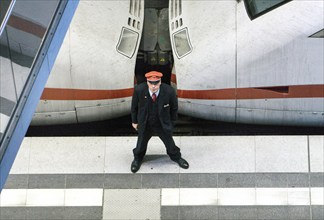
x=153 y=76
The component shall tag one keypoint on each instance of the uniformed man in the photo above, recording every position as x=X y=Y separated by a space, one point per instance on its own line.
x=154 y=111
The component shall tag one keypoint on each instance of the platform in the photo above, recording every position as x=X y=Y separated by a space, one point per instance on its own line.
x=230 y=177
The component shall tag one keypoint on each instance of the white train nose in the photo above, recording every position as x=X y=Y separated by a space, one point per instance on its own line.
x=224 y=63
x=265 y=71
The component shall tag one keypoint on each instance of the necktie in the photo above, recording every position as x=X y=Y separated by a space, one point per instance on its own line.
x=154 y=97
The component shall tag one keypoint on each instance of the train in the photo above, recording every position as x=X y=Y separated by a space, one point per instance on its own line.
x=240 y=61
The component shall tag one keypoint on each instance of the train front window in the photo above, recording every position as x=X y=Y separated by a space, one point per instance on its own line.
x=182 y=43
x=256 y=8
x=128 y=42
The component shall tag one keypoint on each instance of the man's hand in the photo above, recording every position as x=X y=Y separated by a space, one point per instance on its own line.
x=135 y=126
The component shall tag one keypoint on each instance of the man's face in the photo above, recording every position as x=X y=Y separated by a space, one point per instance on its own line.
x=154 y=85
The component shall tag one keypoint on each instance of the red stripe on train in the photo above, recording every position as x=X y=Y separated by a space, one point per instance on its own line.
x=296 y=91
x=84 y=94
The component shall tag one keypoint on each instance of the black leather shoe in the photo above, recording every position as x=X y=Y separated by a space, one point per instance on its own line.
x=136 y=164
x=182 y=163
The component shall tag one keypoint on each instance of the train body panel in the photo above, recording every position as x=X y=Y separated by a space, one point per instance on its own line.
x=94 y=73
x=268 y=70
x=282 y=60
x=211 y=61
x=275 y=49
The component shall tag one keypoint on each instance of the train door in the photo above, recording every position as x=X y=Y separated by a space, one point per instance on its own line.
x=155 y=52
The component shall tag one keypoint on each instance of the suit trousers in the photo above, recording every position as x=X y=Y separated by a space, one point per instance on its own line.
x=143 y=138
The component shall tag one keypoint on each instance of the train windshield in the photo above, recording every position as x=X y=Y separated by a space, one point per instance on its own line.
x=256 y=8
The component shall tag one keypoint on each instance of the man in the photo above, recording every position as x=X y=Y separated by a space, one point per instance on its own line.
x=154 y=111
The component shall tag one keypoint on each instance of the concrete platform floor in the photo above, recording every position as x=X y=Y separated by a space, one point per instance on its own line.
x=230 y=177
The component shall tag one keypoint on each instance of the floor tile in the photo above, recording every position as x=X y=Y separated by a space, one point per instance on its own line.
x=21 y=163
x=198 y=212
x=67 y=155
x=211 y=155
x=281 y=154
x=131 y=204
x=316 y=148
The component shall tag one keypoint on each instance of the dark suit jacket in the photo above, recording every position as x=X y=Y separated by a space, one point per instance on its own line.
x=167 y=106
